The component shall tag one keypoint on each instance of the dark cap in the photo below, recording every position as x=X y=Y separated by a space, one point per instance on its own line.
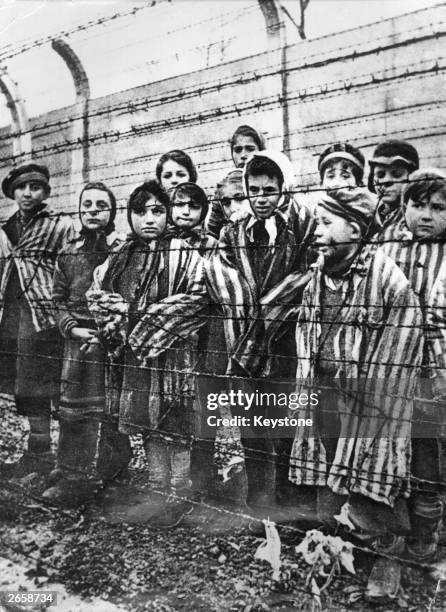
x=23 y=174
x=393 y=152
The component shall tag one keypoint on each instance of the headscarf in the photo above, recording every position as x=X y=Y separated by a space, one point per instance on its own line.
x=353 y=205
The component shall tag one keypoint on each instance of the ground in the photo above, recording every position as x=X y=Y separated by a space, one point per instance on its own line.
x=99 y=563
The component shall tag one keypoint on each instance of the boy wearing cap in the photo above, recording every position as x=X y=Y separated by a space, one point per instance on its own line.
x=29 y=337
x=390 y=166
x=341 y=165
x=358 y=339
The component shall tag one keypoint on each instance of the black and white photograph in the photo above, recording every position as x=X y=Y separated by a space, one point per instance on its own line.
x=222 y=305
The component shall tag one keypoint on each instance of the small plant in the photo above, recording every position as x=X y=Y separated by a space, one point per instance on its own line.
x=325 y=555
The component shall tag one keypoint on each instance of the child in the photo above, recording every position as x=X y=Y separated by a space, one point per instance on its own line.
x=82 y=380
x=244 y=143
x=30 y=341
x=390 y=166
x=160 y=282
x=175 y=167
x=359 y=335
x=341 y=165
x=260 y=263
x=188 y=209
x=418 y=245
x=231 y=196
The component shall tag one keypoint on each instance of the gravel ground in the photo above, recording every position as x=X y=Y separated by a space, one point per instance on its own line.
x=91 y=553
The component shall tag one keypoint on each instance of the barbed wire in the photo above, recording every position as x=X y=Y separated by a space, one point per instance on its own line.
x=6 y=54
x=183 y=121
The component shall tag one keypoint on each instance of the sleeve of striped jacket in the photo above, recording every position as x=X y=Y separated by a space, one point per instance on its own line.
x=289 y=290
x=61 y=292
x=391 y=366
x=436 y=332
x=175 y=317
x=280 y=304
x=228 y=287
x=67 y=232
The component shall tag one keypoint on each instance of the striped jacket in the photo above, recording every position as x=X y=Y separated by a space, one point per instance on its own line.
x=159 y=356
x=248 y=301
x=46 y=234
x=419 y=260
x=378 y=350
x=436 y=334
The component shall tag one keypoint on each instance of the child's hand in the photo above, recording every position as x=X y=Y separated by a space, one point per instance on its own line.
x=83 y=333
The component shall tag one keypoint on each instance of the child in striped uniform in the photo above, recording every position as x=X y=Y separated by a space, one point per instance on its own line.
x=417 y=244
x=30 y=341
x=188 y=209
x=358 y=337
x=159 y=281
x=390 y=166
x=260 y=265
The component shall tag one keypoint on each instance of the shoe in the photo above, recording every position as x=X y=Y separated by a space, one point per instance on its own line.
x=70 y=493
x=54 y=476
x=171 y=514
x=385 y=578
x=422 y=552
x=427 y=522
x=34 y=463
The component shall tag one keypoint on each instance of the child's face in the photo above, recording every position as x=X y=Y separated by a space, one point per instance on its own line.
x=389 y=182
x=95 y=209
x=150 y=221
x=232 y=199
x=242 y=150
x=427 y=218
x=186 y=213
x=338 y=174
x=264 y=195
x=334 y=236
x=173 y=174
x=29 y=196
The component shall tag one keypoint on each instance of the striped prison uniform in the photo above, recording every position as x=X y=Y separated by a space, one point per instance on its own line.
x=248 y=297
x=154 y=375
x=378 y=350
x=34 y=257
x=436 y=333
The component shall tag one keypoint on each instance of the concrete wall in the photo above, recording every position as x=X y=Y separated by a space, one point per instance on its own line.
x=379 y=81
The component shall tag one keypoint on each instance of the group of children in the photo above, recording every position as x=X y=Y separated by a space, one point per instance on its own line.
x=345 y=297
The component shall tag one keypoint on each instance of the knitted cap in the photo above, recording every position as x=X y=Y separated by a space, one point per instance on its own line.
x=342 y=150
x=354 y=205
x=24 y=174
x=392 y=152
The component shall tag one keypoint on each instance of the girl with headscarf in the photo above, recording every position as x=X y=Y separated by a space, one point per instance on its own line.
x=82 y=380
x=149 y=300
